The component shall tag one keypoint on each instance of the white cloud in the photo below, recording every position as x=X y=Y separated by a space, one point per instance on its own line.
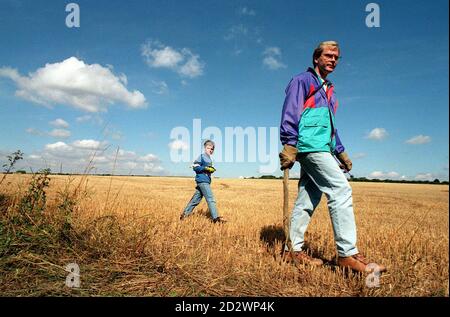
x=236 y=31
x=125 y=159
x=425 y=177
x=419 y=139
x=59 y=123
x=160 y=87
x=59 y=149
x=162 y=57
x=34 y=131
x=60 y=133
x=56 y=133
x=126 y=154
x=78 y=156
x=113 y=133
x=184 y=62
x=89 y=118
x=123 y=78
x=393 y=175
x=149 y=158
x=101 y=159
x=178 y=145
x=153 y=168
x=272 y=63
x=87 y=144
x=193 y=66
x=247 y=11
x=377 y=134
x=272 y=58
x=80 y=149
x=242 y=37
x=383 y=175
x=90 y=88
x=130 y=165
x=10 y=73
x=272 y=51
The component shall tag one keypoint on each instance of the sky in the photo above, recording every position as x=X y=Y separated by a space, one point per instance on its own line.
x=134 y=87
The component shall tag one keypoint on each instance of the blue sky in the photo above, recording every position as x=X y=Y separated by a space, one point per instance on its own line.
x=135 y=70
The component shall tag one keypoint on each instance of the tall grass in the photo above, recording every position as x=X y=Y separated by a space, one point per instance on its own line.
x=135 y=244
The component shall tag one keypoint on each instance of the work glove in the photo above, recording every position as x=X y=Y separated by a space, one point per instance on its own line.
x=345 y=161
x=287 y=156
x=210 y=169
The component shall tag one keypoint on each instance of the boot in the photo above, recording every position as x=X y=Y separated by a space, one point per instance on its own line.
x=301 y=257
x=359 y=263
x=219 y=220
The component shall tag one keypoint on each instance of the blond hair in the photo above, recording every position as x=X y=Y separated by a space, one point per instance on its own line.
x=319 y=49
x=209 y=142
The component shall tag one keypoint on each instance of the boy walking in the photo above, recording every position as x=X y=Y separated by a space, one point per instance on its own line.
x=203 y=169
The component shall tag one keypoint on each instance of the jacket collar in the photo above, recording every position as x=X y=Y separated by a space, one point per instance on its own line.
x=322 y=91
x=314 y=74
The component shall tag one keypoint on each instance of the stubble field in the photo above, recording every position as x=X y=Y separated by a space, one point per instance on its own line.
x=125 y=235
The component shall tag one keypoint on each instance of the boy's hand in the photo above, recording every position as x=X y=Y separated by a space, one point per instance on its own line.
x=210 y=169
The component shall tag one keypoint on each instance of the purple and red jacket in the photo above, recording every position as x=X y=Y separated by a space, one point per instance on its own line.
x=309 y=124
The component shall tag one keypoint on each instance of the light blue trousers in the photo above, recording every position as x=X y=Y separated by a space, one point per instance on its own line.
x=320 y=173
x=202 y=189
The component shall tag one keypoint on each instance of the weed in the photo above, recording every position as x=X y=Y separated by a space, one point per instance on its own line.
x=12 y=159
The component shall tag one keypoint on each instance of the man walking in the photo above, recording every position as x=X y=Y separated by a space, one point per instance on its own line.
x=309 y=135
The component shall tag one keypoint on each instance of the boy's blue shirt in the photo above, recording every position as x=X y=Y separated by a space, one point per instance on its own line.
x=202 y=176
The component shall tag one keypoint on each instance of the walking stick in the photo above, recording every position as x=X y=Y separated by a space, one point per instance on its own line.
x=286 y=206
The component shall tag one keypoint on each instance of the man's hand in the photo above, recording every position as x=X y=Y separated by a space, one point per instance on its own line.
x=210 y=169
x=287 y=156
x=345 y=160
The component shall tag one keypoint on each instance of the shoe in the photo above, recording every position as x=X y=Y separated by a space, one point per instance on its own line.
x=359 y=263
x=301 y=257
x=219 y=220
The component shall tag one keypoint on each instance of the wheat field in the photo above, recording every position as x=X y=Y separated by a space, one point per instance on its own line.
x=125 y=235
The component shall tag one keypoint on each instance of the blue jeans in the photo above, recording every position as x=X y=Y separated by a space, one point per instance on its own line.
x=202 y=189
x=320 y=173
